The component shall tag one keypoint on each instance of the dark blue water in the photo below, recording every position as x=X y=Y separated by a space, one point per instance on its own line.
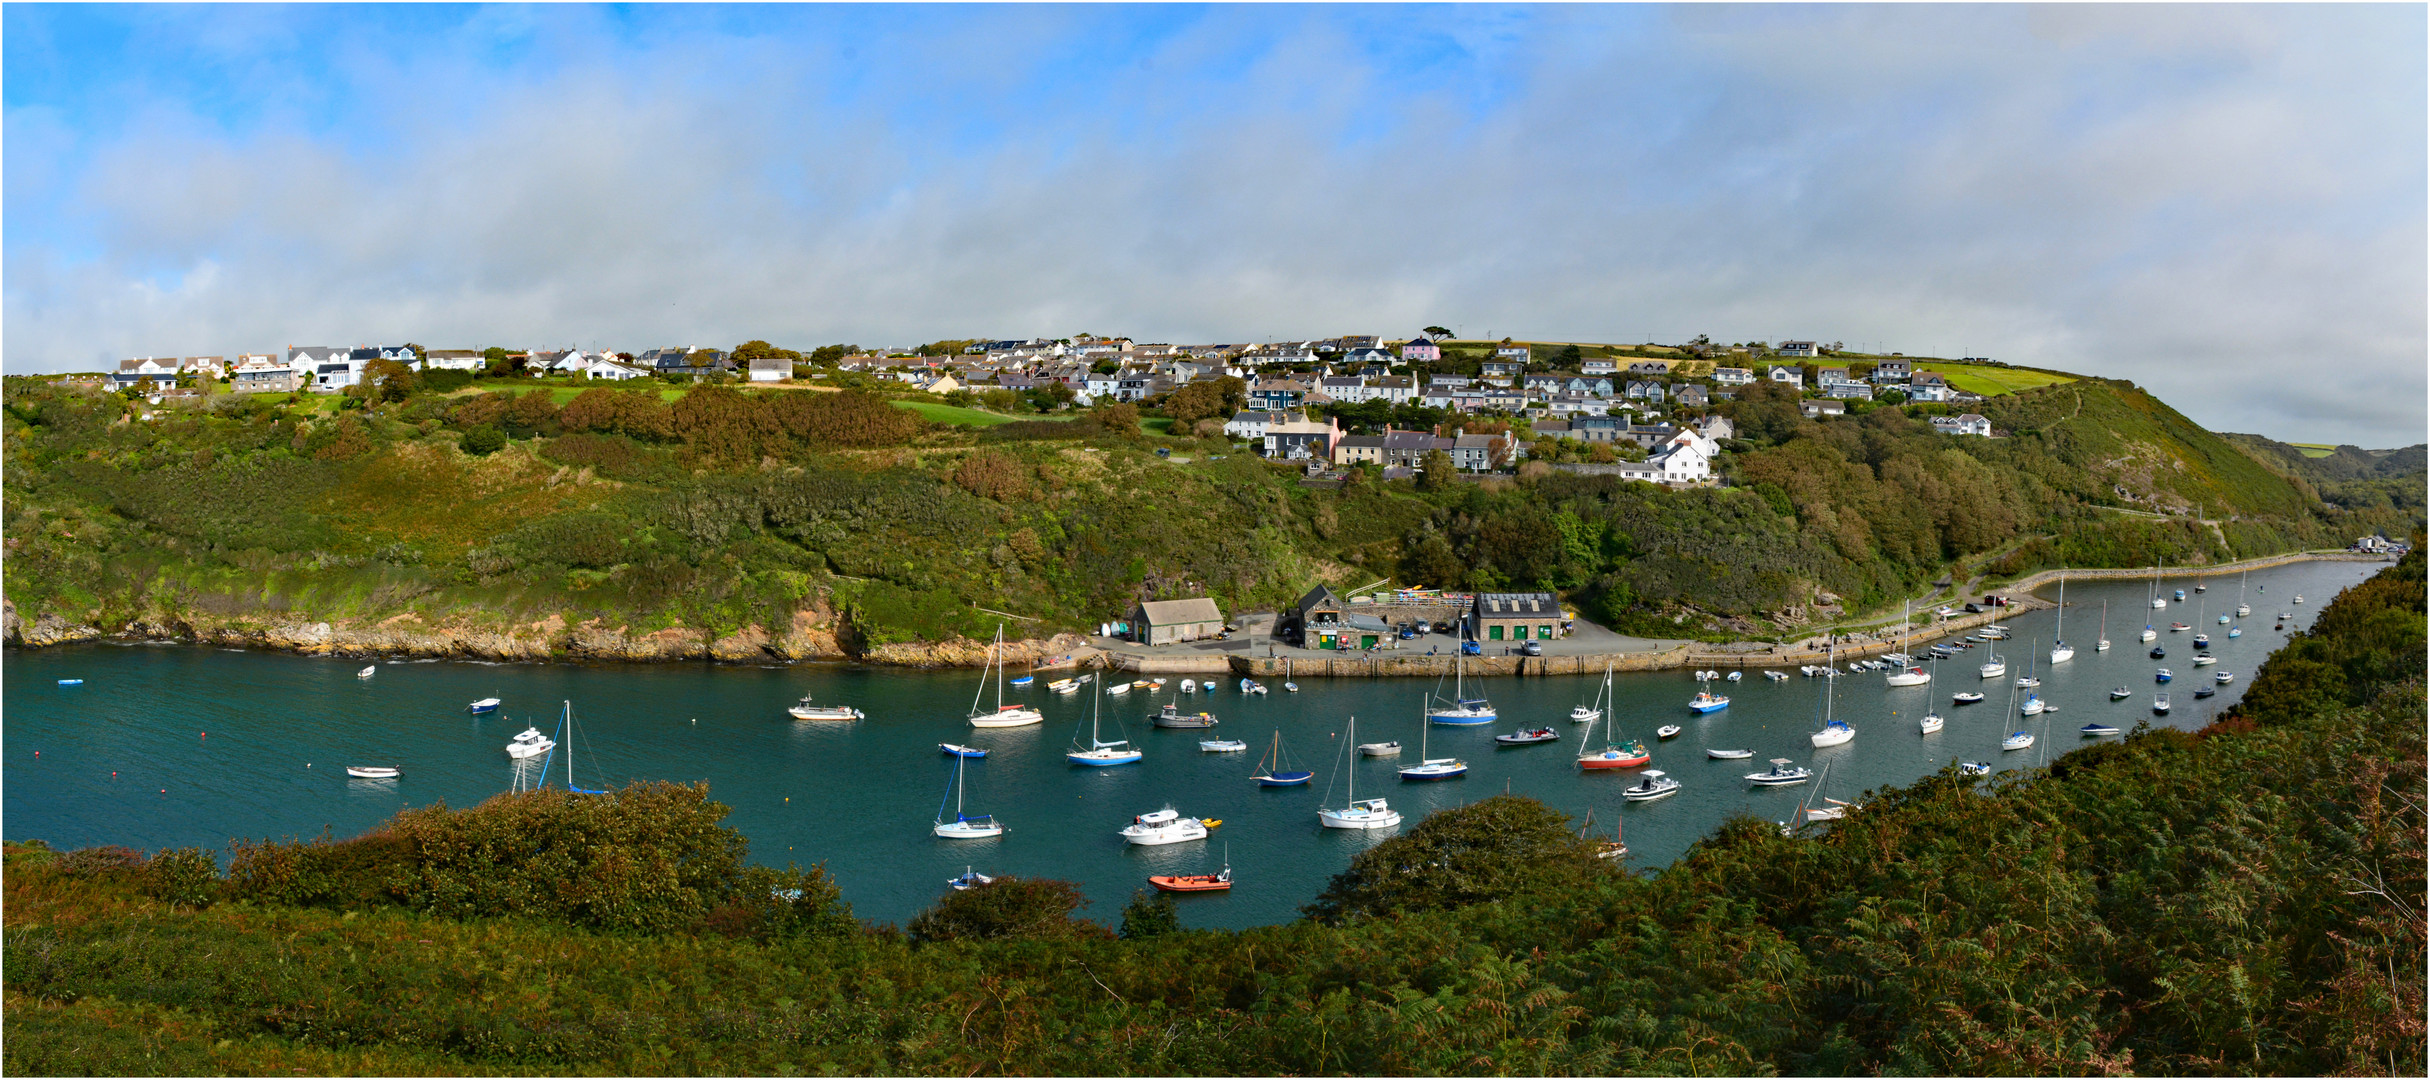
x=179 y=745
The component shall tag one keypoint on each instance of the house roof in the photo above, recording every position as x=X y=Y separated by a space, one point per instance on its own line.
x=1518 y=603
x=1321 y=595
x=1172 y=612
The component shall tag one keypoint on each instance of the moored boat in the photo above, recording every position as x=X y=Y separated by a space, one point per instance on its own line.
x=1527 y=737
x=1782 y=774
x=803 y=710
x=959 y=750
x=373 y=772
x=1165 y=826
x=531 y=743
x=1728 y=755
x=487 y=704
x=1651 y=784
x=1221 y=746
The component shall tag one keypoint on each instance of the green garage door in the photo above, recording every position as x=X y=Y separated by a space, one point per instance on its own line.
x=1495 y=633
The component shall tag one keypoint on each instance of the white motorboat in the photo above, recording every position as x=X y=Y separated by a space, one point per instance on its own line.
x=2017 y=740
x=1117 y=689
x=1651 y=785
x=373 y=772
x=2160 y=705
x=1589 y=713
x=1251 y=686
x=1735 y=676
x=1358 y=813
x=1189 y=686
x=1966 y=697
x=1291 y=688
x=530 y=744
x=2027 y=682
x=1380 y=749
x=1165 y=826
x=806 y=711
x=1063 y=686
x=487 y=704
x=1667 y=731
x=368 y=672
x=2298 y=599
x=1776 y=676
x=1728 y=755
x=1975 y=768
x=2121 y=694
x=2204 y=659
x=2225 y=677
x=963 y=826
x=1221 y=746
x=1783 y=774
x=1003 y=715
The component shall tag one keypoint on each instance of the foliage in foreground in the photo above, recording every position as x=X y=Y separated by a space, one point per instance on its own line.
x=2247 y=898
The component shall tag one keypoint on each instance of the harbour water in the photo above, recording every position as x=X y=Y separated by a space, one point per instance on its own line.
x=169 y=745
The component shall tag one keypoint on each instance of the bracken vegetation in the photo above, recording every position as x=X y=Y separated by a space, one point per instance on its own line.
x=2243 y=899
x=717 y=509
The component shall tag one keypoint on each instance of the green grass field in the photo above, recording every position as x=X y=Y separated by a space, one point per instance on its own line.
x=2314 y=450
x=949 y=414
x=1991 y=381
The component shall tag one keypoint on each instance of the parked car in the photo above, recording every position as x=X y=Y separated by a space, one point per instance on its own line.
x=1974 y=609
x=1422 y=627
x=1532 y=648
x=1472 y=648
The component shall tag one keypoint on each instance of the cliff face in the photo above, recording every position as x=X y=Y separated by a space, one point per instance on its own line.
x=812 y=635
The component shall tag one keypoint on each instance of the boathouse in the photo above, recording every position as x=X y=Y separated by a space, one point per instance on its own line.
x=1164 y=622
x=1519 y=616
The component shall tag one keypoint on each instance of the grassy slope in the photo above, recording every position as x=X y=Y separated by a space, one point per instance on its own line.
x=949 y=414
x=1990 y=381
x=2243 y=899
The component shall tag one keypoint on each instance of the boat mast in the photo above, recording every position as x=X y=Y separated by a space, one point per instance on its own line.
x=1349 y=736
x=1425 y=728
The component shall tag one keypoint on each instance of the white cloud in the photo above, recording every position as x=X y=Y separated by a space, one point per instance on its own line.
x=2186 y=197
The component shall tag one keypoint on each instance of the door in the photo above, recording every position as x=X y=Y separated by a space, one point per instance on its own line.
x=1495 y=633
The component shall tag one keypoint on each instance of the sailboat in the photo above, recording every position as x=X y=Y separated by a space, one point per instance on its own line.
x=2060 y=652
x=2033 y=702
x=2103 y=644
x=1833 y=812
x=1615 y=754
x=2202 y=638
x=963 y=826
x=1909 y=673
x=1834 y=732
x=1995 y=667
x=565 y=727
x=1432 y=768
x=1100 y=752
x=2242 y=609
x=1932 y=721
x=1583 y=714
x=1358 y=814
x=1002 y=715
x=1461 y=710
x=2158 y=601
x=1271 y=771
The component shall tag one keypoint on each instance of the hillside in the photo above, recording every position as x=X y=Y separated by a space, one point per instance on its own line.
x=2348 y=476
x=2240 y=899
x=618 y=523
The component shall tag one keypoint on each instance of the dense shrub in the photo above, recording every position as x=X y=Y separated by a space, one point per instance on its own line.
x=1500 y=847
x=1008 y=907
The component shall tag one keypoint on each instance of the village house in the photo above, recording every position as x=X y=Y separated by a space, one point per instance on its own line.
x=1301 y=439
x=1359 y=450
x=1798 y=348
x=1963 y=424
x=1929 y=386
x=1892 y=371
x=1733 y=376
x=1689 y=394
x=1792 y=376
x=1599 y=367
x=154 y=371
x=1512 y=351
x=257 y=373
x=1501 y=370
x=1421 y=349
x=1649 y=367
x=1408 y=449
x=1849 y=391
x=1484 y=453
x=1392 y=389
x=453 y=360
x=1816 y=410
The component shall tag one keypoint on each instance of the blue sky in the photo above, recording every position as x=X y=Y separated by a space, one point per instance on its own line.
x=2196 y=198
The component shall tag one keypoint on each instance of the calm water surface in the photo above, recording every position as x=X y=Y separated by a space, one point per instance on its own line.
x=168 y=746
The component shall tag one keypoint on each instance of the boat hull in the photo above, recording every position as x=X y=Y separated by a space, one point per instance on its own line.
x=1194 y=720
x=1709 y=707
x=965 y=830
x=372 y=772
x=830 y=712
x=1191 y=883
x=1099 y=760
x=1285 y=779
x=1614 y=759
x=1008 y=718
x=1461 y=717
x=1358 y=819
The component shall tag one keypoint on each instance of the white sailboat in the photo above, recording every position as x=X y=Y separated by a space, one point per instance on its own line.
x=2060 y=651
x=1358 y=814
x=2158 y=601
x=1932 y=721
x=1834 y=732
x=1432 y=768
x=2103 y=644
x=1003 y=715
x=963 y=826
x=2242 y=609
x=1100 y=752
x=1461 y=710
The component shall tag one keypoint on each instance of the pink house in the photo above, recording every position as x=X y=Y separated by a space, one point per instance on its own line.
x=1421 y=347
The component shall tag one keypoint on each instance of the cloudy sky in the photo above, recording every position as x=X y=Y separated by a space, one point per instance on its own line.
x=2223 y=204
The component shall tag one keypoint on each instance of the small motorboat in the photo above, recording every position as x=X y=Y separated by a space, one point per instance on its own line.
x=1380 y=749
x=1171 y=716
x=2017 y=740
x=803 y=710
x=2205 y=691
x=1189 y=686
x=1975 y=768
x=1023 y=680
x=2027 y=682
x=1219 y=881
x=1531 y=735
x=1966 y=697
x=1705 y=702
x=2180 y=596
x=71 y=682
x=2298 y=599
x=969 y=880
x=1117 y=689
x=1734 y=676
x=1783 y=773
x=2278 y=626
x=1251 y=686
x=2121 y=694
x=959 y=750
x=2159 y=653
x=2225 y=677
x=2162 y=675
x=2160 y=704
x=368 y=671
x=2204 y=659
x=372 y=772
x=487 y=704
x=530 y=744
x=1653 y=785
x=1931 y=722
x=1667 y=731
x=1776 y=676
x=2096 y=730
x=1063 y=686
x=2285 y=616
x=2178 y=628
x=1221 y=746
x=2236 y=632
x=1165 y=826
x=2201 y=587
x=1141 y=684
x=1728 y=755
x=2202 y=641
x=1291 y=688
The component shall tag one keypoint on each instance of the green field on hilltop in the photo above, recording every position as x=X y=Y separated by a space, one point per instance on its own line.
x=954 y=414
x=2314 y=449
x=1990 y=381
